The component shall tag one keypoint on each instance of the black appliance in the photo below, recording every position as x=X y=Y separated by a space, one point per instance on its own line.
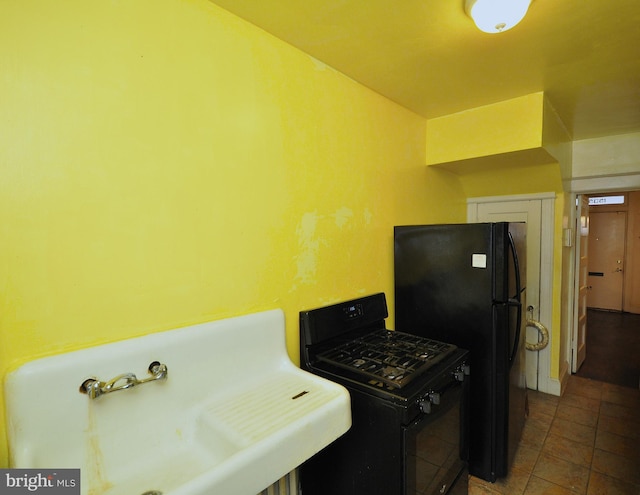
x=464 y=284
x=408 y=433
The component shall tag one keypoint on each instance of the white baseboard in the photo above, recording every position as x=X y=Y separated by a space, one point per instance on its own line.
x=556 y=386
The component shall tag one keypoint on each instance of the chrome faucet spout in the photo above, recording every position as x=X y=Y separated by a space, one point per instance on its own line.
x=94 y=388
x=120 y=382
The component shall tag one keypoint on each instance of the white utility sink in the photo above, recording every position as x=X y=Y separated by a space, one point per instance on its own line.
x=233 y=415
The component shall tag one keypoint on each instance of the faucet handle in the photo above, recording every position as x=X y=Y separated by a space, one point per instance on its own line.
x=92 y=387
x=158 y=370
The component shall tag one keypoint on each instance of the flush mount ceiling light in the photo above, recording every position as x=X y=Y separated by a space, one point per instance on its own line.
x=496 y=16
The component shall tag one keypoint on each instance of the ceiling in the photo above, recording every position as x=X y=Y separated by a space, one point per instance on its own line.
x=428 y=56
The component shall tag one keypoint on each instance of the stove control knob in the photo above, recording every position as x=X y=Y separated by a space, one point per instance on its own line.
x=460 y=372
x=425 y=405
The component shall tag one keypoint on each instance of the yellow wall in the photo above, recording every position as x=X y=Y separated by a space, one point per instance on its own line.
x=165 y=163
x=503 y=127
x=513 y=180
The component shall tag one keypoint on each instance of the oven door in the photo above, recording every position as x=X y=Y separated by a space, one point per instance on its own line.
x=436 y=442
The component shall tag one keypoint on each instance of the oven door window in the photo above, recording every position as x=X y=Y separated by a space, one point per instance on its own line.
x=436 y=446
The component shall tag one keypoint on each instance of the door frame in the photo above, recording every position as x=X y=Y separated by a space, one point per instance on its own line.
x=547 y=200
x=578 y=335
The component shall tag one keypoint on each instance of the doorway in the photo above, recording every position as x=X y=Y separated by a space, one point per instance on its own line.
x=607 y=239
x=614 y=251
x=613 y=299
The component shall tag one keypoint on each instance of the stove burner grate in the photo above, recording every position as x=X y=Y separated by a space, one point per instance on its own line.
x=391 y=357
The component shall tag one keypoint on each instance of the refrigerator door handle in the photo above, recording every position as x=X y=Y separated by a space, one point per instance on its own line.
x=516 y=267
x=517 y=300
x=516 y=340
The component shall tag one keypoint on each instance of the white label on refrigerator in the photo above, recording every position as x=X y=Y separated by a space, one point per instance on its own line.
x=479 y=260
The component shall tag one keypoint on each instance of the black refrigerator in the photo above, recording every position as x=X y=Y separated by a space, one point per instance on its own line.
x=464 y=284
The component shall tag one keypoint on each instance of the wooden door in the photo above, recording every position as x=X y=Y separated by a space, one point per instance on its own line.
x=631 y=299
x=607 y=237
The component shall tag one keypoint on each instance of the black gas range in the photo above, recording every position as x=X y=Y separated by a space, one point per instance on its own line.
x=408 y=403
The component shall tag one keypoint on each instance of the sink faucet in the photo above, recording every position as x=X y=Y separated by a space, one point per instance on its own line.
x=94 y=388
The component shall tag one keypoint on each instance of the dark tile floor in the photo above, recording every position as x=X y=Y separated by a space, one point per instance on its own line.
x=613 y=348
x=585 y=442
x=588 y=440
